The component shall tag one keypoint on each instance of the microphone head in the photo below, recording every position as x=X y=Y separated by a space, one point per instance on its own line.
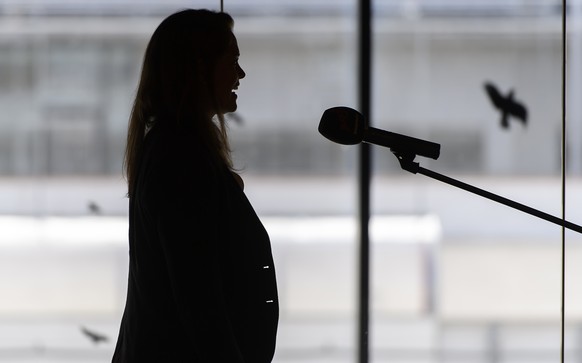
x=343 y=125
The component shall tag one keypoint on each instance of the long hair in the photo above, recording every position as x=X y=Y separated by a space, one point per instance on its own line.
x=176 y=87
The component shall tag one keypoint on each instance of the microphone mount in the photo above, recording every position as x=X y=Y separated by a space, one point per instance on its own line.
x=406 y=160
x=407 y=163
x=353 y=127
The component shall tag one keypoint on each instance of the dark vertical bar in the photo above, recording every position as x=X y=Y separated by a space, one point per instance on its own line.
x=364 y=87
x=563 y=174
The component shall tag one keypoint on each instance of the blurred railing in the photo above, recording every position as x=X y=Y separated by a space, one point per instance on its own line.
x=486 y=343
x=425 y=8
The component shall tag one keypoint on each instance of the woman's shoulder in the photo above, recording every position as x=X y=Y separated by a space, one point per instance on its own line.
x=171 y=158
x=175 y=146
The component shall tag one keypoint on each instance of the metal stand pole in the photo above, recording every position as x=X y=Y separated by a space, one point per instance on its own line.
x=364 y=88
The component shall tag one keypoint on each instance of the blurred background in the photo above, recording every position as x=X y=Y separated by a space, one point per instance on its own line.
x=455 y=277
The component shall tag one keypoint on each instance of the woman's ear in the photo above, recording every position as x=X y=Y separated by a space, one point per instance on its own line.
x=201 y=74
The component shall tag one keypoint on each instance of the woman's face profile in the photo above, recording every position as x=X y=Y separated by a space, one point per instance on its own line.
x=227 y=74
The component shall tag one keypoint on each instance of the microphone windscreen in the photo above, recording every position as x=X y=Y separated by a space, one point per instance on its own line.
x=343 y=125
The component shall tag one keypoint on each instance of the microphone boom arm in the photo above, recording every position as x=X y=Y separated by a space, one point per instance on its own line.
x=407 y=163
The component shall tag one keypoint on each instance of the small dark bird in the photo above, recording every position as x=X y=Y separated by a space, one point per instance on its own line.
x=507 y=105
x=94 y=208
x=96 y=338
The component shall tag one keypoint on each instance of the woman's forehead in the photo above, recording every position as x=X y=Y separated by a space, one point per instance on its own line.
x=232 y=47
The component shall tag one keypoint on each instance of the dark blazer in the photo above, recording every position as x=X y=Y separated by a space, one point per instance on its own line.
x=201 y=277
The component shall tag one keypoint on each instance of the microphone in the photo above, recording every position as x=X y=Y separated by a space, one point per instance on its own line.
x=346 y=126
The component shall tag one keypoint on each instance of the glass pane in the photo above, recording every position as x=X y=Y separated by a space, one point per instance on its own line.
x=473 y=280
x=68 y=73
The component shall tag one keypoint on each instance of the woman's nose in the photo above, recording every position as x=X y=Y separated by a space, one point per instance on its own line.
x=241 y=72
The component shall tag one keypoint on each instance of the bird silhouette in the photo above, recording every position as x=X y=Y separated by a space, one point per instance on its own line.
x=506 y=105
x=94 y=208
x=96 y=338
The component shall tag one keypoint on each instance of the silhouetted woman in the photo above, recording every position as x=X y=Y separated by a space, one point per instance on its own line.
x=201 y=277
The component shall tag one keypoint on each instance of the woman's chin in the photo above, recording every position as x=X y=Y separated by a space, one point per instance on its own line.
x=230 y=108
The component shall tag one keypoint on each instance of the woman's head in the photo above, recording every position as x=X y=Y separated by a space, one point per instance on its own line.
x=181 y=62
x=189 y=72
